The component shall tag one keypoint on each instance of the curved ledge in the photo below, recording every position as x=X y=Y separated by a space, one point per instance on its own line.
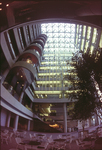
x=36 y=47
x=11 y=104
x=41 y=38
x=31 y=51
x=39 y=41
x=58 y=20
x=43 y=35
x=53 y=100
x=27 y=66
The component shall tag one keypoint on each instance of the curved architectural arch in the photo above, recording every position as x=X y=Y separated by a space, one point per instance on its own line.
x=39 y=41
x=27 y=66
x=35 y=47
x=35 y=57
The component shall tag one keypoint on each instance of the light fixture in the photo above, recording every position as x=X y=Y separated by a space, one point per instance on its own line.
x=28 y=61
x=17 y=82
x=0 y=8
x=21 y=76
x=41 y=95
x=0 y=3
x=7 y=5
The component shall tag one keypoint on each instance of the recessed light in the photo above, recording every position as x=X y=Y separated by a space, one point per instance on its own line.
x=7 y=5
x=0 y=3
x=0 y=8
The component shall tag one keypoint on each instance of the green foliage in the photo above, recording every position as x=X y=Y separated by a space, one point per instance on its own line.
x=86 y=66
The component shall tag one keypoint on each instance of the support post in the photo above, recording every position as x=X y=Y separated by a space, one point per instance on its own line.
x=28 y=127
x=65 y=117
x=8 y=119
x=16 y=122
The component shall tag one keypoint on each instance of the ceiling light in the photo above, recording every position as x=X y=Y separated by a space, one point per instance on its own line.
x=28 y=61
x=0 y=3
x=0 y=8
x=41 y=95
x=21 y=76
x=7 y=5
x=49 y=110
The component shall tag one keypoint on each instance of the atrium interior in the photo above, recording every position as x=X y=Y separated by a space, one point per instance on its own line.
x=36 y=54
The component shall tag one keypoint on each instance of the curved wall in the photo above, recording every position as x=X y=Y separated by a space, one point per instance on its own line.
x=11 y=106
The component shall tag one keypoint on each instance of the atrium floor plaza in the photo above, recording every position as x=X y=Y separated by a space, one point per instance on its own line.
x=12 y=145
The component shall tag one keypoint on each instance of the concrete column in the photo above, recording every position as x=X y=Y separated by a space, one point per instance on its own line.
x=89 y=122
x=22 y=94
x=17 y=38
x=65 y=117
x=99 y=120
x=33 y=84
x=98 y=38
x=26 y=36
x=31 y=32
x=2 y=78
x=31 y=104
x=21 y=97
x=96 y=120
x=8 y=119
x=16 y=122
x=5 y=49
x=28 y=127
x=10 y=17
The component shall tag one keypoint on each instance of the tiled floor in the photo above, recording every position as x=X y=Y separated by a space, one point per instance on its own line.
x=73 y=145
x=13 y=145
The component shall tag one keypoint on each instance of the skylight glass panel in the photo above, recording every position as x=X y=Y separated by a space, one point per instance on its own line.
x=57 y=50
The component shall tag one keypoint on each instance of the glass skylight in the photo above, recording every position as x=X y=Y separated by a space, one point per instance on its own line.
x=61 y=37
x=57 y=51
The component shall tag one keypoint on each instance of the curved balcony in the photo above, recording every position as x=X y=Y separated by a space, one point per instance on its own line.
x=37 y=47
x=39 y=41
x=43 y=35
x=31 y=57
x=27 y=66
x=43 y=38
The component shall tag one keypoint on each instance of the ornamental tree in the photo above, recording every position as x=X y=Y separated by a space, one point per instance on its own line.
x=87 y=73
